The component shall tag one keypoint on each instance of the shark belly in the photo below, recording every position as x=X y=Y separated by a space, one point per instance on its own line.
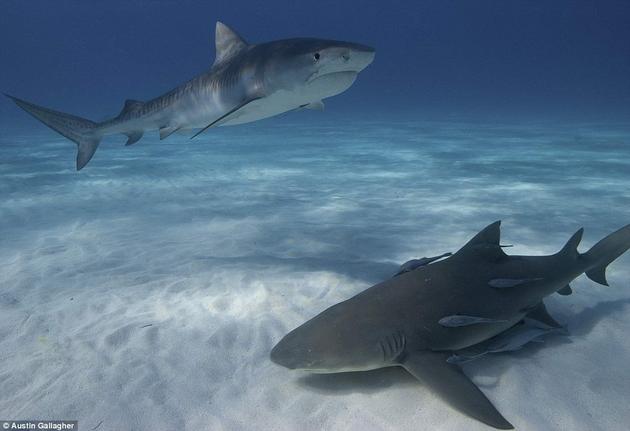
x=285 y=100
x=270 y=106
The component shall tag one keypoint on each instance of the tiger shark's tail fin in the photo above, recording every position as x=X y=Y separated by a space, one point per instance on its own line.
x=79 y=130
x=604 y=252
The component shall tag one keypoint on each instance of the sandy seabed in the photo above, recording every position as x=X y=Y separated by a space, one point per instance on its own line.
x=146 y=291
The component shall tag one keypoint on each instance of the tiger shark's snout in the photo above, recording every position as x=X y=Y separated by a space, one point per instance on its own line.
x=344 y=57
x=337 y=66
x=359 y=56
x=354 y=57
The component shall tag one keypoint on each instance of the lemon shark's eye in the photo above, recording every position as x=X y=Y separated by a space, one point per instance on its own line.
x=316 y=56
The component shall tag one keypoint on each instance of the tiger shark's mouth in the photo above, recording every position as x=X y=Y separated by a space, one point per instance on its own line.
x=330 y=84
x=336 y=74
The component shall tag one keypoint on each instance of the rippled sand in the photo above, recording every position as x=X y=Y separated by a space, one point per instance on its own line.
x=147 y=290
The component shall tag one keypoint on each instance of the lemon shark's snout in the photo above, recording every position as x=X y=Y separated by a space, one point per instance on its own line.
x=285 y=354
x=298 y=351
x=333 y=341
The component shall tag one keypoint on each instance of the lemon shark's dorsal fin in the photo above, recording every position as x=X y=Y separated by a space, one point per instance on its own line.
x=228 y=43
x=485 y=243
x=490 y=235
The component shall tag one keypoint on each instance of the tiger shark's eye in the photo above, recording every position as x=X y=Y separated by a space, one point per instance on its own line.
x=316 y=56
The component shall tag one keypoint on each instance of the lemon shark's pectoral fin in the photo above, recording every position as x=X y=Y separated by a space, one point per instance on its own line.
x=450 y=383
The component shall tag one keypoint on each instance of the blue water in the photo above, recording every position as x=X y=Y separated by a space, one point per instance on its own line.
x=333 y=178
x=146 y=291
x=510 y=60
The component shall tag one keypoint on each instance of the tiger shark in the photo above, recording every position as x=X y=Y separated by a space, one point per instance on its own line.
x=421 y=318
x=247 y=82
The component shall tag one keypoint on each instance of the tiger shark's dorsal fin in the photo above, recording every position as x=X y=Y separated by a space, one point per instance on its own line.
x=227 y=42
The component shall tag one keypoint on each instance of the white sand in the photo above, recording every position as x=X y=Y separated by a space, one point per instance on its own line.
x=148 y=298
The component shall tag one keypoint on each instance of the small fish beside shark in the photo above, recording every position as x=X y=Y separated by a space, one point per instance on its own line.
x=247 y=82
x=427 y=318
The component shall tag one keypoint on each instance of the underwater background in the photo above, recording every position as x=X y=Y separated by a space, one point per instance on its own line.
x=146 y=291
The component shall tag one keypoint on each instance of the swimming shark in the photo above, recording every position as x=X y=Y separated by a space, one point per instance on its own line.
x=247 y=82
x=419 y=319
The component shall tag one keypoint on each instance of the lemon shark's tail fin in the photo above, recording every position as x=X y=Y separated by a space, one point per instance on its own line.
x=606 y=251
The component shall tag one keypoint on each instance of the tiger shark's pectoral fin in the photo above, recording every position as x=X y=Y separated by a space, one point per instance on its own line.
x=227 y=114
x=450 y=383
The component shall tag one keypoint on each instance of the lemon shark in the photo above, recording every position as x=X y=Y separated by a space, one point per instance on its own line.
x=420 y=319
x=247 y=82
